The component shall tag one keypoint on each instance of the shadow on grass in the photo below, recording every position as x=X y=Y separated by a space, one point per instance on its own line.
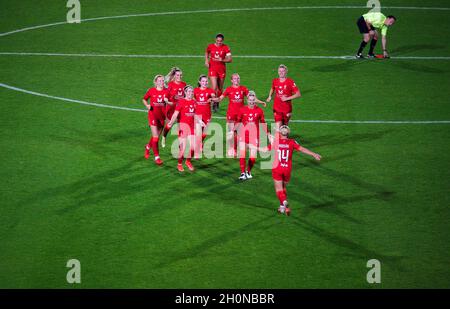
x=100 y=143
x=129 y=179
x=340 y=139
x=219 y=240
x=417 y=47
x=417 y=67
x=352 y=248
x=343 y=65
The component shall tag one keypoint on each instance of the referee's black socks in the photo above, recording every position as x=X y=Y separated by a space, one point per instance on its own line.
x=361 y=47
x=373 y=43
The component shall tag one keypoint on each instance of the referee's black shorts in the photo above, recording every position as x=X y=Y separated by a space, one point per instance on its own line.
x=362 y=26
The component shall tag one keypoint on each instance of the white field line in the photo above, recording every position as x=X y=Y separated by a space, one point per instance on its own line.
x=195 y=56
x=224 y=11
x=68 y=100
x=218 y=117
x=200 y=56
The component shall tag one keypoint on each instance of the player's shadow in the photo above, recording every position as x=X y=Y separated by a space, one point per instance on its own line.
x=209 y=243
x=102 y=144
x=313 y=199
x=417 y=67
x=331 y=202
x=405 y=49
x=351 y=247
x=344 y=65
x=132 y=178
x=307 y=91
x=339 y=139
x=223 y=176
x=384 y=193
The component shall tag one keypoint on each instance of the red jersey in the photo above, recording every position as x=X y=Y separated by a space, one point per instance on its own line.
x=284 y=149
x=215 y=52
x=251 y=115
x=236 y=98
x=203 y=106
x=175 y=90
x=286 y=88
x=250 y=119
x=157 y=98
x=187 y=111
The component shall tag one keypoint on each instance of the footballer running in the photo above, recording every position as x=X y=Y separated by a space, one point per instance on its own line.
x=283 y=148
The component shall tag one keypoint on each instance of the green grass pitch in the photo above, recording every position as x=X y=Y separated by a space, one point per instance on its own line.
x=74 y=184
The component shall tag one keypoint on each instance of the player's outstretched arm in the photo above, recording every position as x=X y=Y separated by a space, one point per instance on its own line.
x=269 y=98
x=264 y=104
x=310 y=153
x=212 y=99
x=173 y=119
x=219 y=99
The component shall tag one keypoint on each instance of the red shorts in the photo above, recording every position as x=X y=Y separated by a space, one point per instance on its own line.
x=232 y=116
x=156 y=118
x=205 y=116
x=249 y=138
x=185 y=129
x=281 y=174
x=284 y=117
x=219 y=71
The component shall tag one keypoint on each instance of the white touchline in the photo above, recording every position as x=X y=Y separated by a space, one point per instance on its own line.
x=218 y=117
x=200 y=56
x=226 y=10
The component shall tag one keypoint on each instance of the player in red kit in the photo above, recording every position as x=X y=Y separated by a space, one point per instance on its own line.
x=203 y=97
x=216 y=57
x=186 y=110
x=250 y=118
x=175 y=86
x=285 y=91
x=158 y=97
x=283 y=148
x=236 y=94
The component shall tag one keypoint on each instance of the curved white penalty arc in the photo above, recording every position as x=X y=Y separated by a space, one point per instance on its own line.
x=69 y=100
x=225 y=11
x=217 y=117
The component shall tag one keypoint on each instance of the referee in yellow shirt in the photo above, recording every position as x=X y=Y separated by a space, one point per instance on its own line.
x=369 y=25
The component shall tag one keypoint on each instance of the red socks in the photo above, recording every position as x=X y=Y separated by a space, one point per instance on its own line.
x=154 y=146
x=251 y=162
x=242 y=164
x=282 y=196
x=150 y=143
